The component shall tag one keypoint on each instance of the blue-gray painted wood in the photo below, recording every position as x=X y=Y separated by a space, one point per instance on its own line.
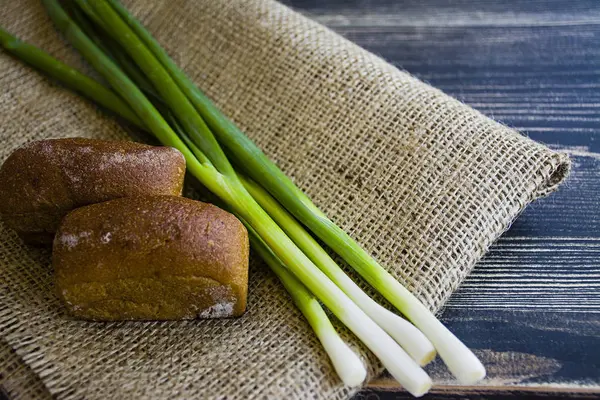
x=531 y=308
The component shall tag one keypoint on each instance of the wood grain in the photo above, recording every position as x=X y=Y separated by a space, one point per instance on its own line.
x=531 y=308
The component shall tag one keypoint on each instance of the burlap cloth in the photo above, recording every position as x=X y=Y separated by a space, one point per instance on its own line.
x=424 y=182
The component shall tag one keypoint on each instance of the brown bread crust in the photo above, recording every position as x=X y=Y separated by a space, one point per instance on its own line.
x=44 y=180
x=151 y=258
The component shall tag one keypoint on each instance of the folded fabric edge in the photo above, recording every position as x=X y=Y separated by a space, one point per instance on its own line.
x=554 y=172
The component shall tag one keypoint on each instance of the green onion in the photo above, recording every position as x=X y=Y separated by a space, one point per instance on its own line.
x=346 y=363
x=459 y=359
x=407 y=335
x=219 y=177
x=68 y=76
x=415 y=341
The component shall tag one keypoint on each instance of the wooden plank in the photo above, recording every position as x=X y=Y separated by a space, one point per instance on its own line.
x=531 y=308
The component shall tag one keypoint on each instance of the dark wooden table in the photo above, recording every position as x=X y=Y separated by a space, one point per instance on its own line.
x=531 y=308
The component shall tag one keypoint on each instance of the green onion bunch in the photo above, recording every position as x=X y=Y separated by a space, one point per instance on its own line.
x=150 y=91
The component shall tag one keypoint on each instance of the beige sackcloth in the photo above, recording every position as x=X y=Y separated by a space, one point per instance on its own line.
x=423 y=182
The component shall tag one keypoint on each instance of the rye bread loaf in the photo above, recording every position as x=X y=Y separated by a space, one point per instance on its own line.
x=44 y=180
x=151 y=258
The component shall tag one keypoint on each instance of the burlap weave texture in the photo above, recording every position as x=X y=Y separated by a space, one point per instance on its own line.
x=424 y=182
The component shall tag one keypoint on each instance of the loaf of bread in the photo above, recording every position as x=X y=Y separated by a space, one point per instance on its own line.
x=151 y=258
x=44 y=180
